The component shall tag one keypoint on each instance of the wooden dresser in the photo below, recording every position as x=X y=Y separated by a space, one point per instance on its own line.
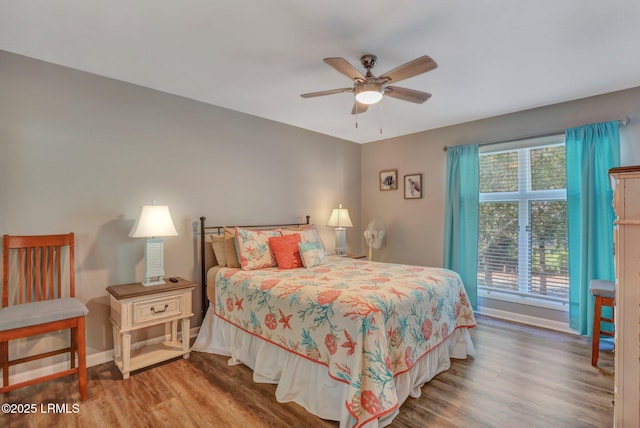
x=626 y=203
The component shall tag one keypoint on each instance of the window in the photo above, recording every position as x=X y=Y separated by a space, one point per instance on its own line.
x=523 y=245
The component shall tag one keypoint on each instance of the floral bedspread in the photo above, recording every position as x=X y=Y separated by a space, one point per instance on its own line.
x=365 y=321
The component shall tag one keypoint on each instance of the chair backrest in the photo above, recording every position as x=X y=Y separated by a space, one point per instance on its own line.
x=40 y=263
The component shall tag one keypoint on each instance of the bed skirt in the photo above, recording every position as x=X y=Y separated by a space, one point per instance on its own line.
x=308 y=384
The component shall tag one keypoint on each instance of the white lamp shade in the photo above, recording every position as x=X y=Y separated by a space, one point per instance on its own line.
x=154 y=220
x=369 y=93
x=340 y=218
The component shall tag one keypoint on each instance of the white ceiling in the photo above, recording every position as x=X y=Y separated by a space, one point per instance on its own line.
x=258 y=56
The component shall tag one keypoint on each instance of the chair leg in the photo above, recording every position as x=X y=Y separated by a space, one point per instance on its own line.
x=82 y=358
x=595 y=341
x=4 y=361
x=74 y=346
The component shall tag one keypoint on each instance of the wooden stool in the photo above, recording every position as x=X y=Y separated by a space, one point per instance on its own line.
x=605 y=294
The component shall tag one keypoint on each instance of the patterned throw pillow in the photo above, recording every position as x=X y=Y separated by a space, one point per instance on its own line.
x=308 y=234
x=286 y=251
x=312 y=254
x=253 y=248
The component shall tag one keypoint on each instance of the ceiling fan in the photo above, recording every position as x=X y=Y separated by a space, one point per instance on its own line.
x=370 y=89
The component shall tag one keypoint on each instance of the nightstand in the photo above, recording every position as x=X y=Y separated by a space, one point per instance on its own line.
x=134 y=306
x=355 y=256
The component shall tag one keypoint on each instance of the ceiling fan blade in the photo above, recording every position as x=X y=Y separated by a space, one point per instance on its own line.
x=361 y=108
x=405 y=94
x=410 y=69
x=343 y=66
x=329 y=92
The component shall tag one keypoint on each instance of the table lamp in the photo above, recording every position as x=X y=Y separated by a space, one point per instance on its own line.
x=340 y=220
x=154 y=221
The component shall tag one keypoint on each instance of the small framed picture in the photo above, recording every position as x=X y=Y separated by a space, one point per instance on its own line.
x=389 y=179
x=413 y=186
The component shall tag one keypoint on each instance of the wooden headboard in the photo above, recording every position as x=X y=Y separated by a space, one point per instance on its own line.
x=218 y=230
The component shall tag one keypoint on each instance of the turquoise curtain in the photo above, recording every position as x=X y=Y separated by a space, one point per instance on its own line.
x=591 y=151
x=461 y=217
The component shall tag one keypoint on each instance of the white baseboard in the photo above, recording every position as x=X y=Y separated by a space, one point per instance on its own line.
x=93 y=359
x=525 y=319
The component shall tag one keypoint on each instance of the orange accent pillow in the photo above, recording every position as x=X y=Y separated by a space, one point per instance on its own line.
x=285 y=249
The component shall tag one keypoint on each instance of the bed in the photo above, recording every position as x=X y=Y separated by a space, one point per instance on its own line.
x=347 y=339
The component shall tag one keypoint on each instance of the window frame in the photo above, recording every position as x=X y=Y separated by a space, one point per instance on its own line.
x=523 y=196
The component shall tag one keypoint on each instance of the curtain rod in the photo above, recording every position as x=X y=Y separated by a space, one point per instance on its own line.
x=623 y=122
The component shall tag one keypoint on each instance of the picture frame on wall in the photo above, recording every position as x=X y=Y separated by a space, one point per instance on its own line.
x=413 y=186
x=389 y=179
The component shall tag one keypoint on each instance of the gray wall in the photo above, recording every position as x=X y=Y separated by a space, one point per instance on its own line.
x=415 y=227
x=82 y=153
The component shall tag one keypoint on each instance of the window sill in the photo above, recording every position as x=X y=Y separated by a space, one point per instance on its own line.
x=523 y=300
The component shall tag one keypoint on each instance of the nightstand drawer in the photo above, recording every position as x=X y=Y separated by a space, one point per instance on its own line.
x=157 y=309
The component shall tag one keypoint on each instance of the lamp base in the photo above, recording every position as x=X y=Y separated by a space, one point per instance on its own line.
x=341 y=241
x=149 y=282
x=153 y=262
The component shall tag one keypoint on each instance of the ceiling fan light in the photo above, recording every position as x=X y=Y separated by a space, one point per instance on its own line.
x=369 y=93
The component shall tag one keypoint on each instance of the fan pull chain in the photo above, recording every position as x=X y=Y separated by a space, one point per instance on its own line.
x=380 y=115
x=356 y=107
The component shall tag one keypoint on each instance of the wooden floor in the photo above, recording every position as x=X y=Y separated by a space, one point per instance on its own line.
x=521 y=377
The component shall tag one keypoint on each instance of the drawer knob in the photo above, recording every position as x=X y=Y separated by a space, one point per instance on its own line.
x=159 y=311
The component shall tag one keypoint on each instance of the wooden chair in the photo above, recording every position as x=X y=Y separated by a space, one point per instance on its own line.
x=605 y=295
x=43 y=302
